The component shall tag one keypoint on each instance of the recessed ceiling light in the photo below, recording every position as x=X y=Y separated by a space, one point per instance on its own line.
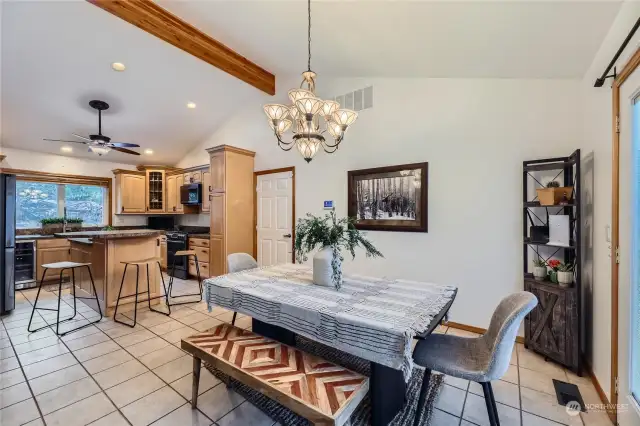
x=191 y=105
x=148 y=151
x=66 y=149
x=118 y=66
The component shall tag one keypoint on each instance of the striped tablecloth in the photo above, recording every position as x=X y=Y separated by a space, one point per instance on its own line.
x=372 y=318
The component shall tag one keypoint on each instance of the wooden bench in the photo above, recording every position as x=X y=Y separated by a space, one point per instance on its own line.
x=322 y=392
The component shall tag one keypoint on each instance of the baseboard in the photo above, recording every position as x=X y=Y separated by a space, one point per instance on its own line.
x=473 y=329
x=600 y=391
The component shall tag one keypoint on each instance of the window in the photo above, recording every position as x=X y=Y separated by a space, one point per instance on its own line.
x=39 y=200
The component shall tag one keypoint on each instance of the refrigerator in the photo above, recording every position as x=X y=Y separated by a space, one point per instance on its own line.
x=7 y=242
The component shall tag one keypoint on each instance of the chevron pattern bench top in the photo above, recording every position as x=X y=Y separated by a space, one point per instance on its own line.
x=322 y=392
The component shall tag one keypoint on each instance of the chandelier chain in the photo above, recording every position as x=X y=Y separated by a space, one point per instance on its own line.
x=309 y=35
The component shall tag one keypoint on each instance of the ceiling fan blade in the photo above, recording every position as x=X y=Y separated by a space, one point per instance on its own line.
x=124 y=145
x=61 y=140
x=81 y=137
x=125 y=150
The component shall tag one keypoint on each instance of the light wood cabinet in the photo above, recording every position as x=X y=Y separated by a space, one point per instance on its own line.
x=155 y=193
x=172 y=196
x=52 y=251
x=206 y=191
x=231 y=207
x=201 y=247
x=130 y=190
x=163 y=252
x=196 y=177
x=81 y=253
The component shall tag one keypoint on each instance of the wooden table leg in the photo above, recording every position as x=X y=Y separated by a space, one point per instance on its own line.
x=196 y=381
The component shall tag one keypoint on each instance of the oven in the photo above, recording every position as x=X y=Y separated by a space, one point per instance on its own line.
x=25 y=265
x=177 y=241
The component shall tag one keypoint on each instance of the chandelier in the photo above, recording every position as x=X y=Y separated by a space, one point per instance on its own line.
x=309 y=118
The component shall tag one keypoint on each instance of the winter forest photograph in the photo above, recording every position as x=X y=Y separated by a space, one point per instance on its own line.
x=388 y=197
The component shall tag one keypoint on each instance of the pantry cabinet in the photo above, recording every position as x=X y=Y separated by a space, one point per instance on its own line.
x=130 y=191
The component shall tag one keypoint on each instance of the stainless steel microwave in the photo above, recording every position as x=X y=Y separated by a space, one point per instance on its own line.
x=191 y=194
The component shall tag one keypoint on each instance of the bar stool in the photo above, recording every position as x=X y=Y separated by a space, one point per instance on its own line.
x=149 y=298
x=62 y=266
x=187 y=254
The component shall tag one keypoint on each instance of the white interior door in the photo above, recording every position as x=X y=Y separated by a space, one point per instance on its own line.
x=629 y=267
x=275 y=230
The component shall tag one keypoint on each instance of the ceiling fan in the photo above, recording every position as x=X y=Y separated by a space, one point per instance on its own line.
x=101 y=144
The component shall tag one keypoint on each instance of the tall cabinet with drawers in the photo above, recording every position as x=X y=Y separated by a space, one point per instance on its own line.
x=230 y=192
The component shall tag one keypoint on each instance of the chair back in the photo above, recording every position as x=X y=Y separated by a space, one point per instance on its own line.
x=501 y=334
x=237 y=262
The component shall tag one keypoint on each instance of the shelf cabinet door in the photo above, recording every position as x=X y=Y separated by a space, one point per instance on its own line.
x=132 y=188
x=206 y=191
x=218 y=262
x=156 y=202
x=172 y=197
x=196 y=177
x=217 y=172
x=163 y=252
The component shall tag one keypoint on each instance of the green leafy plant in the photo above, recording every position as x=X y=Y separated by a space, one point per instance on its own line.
x=59 y=220
x=108 y=228
x=566 y=267
x=74 y=220
x=539 y=263
x=317 y=232
x=553 y=184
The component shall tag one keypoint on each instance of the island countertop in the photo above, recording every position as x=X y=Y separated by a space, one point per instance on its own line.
x=111 y=235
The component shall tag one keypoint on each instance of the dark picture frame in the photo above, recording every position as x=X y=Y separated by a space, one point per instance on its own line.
x=393 y=198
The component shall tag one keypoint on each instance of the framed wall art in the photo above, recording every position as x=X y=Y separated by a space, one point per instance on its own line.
x=390 y=198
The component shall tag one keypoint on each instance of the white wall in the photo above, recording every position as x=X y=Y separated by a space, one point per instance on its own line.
x=474 y=134
x=42 y=162
x=596 y=144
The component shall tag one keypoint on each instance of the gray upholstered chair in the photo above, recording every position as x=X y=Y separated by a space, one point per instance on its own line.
x=480 y=359
x=237 y=262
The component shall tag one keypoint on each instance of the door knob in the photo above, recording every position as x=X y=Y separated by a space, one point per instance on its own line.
x=286 y=236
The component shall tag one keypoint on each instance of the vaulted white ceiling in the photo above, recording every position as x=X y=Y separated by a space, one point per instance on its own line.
x=56 y=56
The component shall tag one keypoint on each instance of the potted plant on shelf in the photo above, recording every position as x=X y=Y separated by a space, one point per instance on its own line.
x=554 y=194
x=565 y=274
x=554 y=264
x=539 y=269
x=330 y=235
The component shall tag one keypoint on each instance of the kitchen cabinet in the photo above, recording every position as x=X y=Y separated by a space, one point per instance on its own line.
x=163 y=252
x=217 y=171
x=206 y=191
x=201 y=247
x=155 y=193
x=196 y=177
x=52 y=251
x=180 y=180
x=130 y=190
x=81 y=253
x=173 y=196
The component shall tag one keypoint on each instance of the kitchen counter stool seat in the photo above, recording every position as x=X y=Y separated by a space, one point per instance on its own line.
x=62 y=266
x=187 y=254
x=137 y=264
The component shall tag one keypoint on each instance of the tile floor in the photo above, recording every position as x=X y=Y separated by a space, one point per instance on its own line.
x=109 y=374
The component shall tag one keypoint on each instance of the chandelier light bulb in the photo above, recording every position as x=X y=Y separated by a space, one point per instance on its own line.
x=276 y=111
x=295 y=94
x=328 y=108
x=309 y=106
x=280 y=126
x=344 y=116
x=308 y=148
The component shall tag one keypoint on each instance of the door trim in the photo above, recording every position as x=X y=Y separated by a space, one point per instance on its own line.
x=291 y=169
x=619 y=80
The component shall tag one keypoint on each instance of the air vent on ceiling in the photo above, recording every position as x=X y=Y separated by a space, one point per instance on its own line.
x=357 y=100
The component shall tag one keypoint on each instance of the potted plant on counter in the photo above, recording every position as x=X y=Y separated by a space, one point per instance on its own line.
x=539 y=269
x=330 y=235
x=565 y=274
x=53 y=225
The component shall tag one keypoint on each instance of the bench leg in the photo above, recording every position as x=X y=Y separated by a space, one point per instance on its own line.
x=196 y=381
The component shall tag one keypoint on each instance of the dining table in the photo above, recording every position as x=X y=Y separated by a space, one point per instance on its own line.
x=373 y=318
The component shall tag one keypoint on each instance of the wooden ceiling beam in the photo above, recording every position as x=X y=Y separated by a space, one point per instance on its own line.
x=148 y=16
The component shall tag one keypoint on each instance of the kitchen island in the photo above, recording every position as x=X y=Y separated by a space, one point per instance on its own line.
x=106 y=250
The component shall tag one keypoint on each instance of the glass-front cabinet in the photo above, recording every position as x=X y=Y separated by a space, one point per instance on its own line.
x=155 y=195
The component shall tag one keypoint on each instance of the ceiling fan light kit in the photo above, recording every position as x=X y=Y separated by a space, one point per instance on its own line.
x=100 y=144
x=306 y=115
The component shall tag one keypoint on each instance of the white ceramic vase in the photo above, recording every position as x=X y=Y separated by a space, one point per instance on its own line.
x=565 y=279
x=322 y=270
x=540 y=273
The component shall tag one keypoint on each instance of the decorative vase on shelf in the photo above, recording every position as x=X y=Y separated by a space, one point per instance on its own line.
x=322 y=267
x=540 y=273
x=565 y=279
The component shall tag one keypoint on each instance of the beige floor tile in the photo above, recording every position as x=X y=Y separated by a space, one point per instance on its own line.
x=537 y=380
x=154 y=319
x=218 y=401
x=7 y=353
x=166 y=327
x=49 y=366
x=226 y=317
x=244 y=322
x=456 y=382
x=107 y=361
x=148 y=346
x=531 y=420
x=504 y=392
x=113 y=419
x=193 y=318
x=184 y=385
x=20 y=326
x=179 y=334
x=87 y=341
x=450 y=400
x=158 y=358
x=206 y=324
x=120 y=330
x=184 y=416
x=11 y=377
x=533 y=361
x=245 y=414
x=5 y=343
x=134 y=338
x=42 y=354
x=36 y=422
x=82 y=412
x=177 y=314
x=511 y=375
x=475 y=411
x=545 y=405
x=131 y=390
x=440 y=418
x=441 y=329
x=8 y=364
x=56 y=379
x=83 y=332
x=30 y=337
x=175 y=369
x=120 y=373
x=153 y=406
x=95 y=351
x=36 y=344
x=596 y=418
x=215 y=310
x=66 y=395
x=14 y=394
x=20 y=413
